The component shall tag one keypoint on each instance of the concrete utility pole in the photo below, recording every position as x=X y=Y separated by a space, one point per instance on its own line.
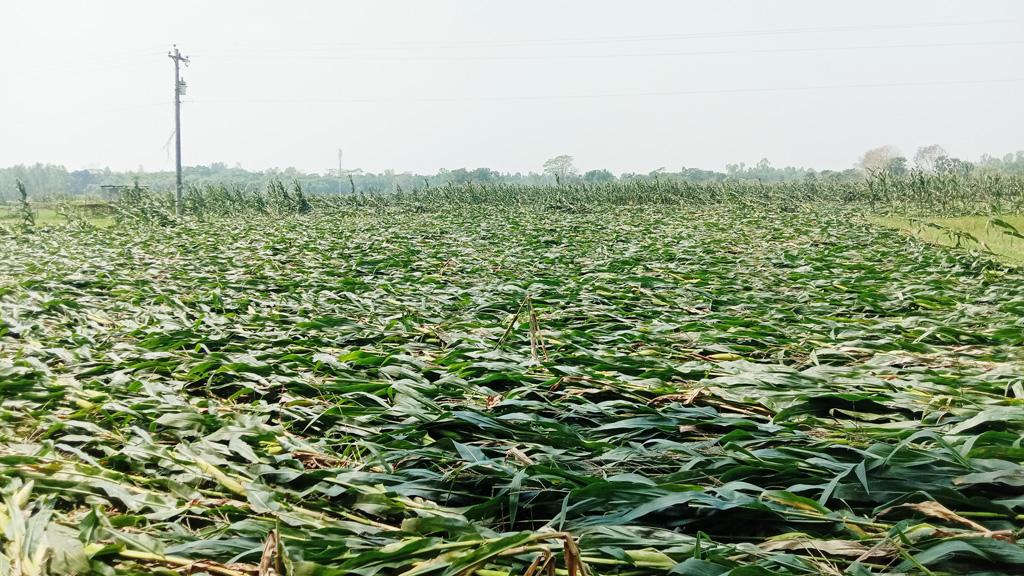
x=179 y=90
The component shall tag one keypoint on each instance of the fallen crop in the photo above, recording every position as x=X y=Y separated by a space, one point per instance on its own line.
x=507 y=389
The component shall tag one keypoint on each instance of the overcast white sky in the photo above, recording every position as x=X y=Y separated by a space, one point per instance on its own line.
x=419 y=85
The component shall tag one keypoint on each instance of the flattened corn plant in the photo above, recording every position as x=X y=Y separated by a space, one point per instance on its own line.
x=581 y=384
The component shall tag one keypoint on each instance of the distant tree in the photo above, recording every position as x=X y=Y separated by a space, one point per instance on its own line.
x=457 y=176
x=484 y=175
x=845 y=175
x=601 y=175
x=561 y=167
x=878 y=158
x=925 y=157
x=734 y=169
x=897 y=166
x=762 y=171
x=947 y=165
x=1008 y=164
x=81 y=180
x=463 y=176
x=699 y=175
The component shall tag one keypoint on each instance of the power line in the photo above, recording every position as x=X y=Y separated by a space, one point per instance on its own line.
x=71 y=113
x=140 y=57
x=102 y=63
x=543 y=97
x=306 y=57
x=627 y=38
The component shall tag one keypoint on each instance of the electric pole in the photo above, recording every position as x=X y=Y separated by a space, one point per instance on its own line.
x=179 y=90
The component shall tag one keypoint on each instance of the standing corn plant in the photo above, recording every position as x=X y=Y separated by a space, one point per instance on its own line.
x=25 y=212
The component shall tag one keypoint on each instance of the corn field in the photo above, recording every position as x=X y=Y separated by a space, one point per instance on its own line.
x=918 y=194
x=630 y=378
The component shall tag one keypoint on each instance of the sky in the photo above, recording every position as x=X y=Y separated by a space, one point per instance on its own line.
x=419 y=85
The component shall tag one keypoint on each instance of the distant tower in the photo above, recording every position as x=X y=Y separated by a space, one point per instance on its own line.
x=341 y=170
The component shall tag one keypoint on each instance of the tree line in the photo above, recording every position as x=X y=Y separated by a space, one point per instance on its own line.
x=51 y=181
